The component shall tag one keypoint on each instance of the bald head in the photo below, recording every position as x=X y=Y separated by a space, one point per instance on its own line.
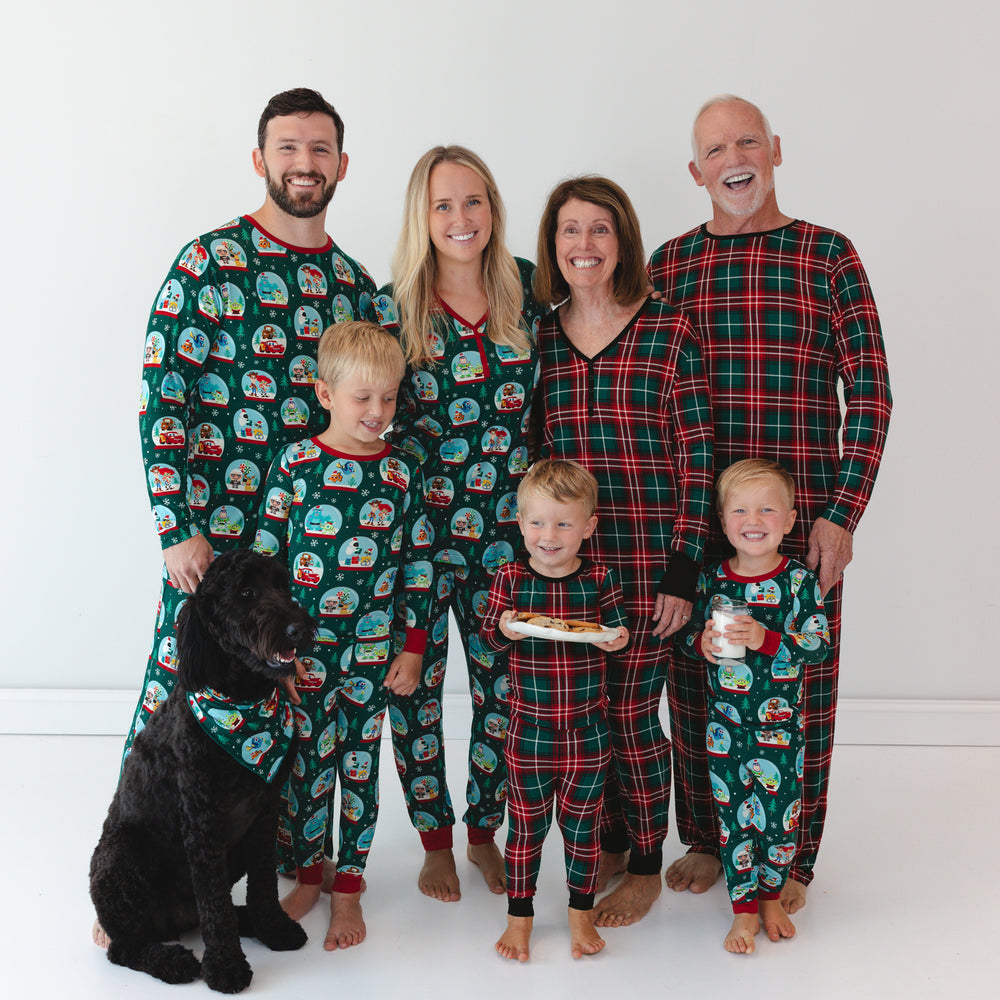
x=728 y=99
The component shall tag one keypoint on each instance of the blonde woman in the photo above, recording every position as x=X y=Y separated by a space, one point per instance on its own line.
x=464 y=314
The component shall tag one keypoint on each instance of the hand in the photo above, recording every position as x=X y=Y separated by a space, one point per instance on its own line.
x=187 y=561
x=288 y=683
x=744 y=631
x=615 y=644
x=404 y=673
x=672 y=613
x=504 y=625
x=831 y=549
x=707 y=641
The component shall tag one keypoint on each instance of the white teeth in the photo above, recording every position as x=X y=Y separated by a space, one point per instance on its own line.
x=585 y=262
x=462 y=237
x=738 y=178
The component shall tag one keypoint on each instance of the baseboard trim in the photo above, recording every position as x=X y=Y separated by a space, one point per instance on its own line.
x=860 y=721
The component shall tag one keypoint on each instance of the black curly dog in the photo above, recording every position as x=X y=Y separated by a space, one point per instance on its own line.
x=188 y=820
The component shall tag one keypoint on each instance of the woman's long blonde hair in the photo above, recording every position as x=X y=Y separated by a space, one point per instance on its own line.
x=414 y=264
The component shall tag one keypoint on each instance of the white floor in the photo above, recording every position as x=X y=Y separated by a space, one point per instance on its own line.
x=905 y=904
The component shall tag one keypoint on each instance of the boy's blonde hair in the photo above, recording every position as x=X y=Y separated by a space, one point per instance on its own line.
x=359 y=347
x=414 y=264
x=748 y=470
x=559 y=480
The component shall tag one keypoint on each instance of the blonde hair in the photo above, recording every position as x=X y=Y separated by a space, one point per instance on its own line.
x=414 y=264
x=560 y=480
x=359 y=347
x=748 y=470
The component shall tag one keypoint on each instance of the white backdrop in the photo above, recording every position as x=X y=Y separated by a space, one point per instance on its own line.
x=128 y=130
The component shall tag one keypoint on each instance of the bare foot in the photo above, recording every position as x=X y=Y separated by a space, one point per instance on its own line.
x=347 y=924
x=776 y=921
x=300 y=900
x=488 y=859
x=438 y=877
x=611 y=865
x=793 y=896
x=100 y=935
x=739 y=940
x=513 y=942
x=695 y=872
x=629 y=903
x=583 y=936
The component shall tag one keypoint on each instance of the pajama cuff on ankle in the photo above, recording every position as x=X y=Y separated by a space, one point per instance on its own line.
x=480 y=835
x=615 y=841
x=520 y=906
x=745 y=907
x=313 y=875
x=581 y=900
x=645 y=864
x=343 y=882
x=768 y=897
x=439 y=839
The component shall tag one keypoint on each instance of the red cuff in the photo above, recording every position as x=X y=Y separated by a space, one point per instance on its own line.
x=416 y=641
x=480 y=835
x=771 y=643
x=313 y=875
x=346 y=883
x=440 y=839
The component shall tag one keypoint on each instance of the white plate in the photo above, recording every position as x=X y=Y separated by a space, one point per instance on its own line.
x=537 y=632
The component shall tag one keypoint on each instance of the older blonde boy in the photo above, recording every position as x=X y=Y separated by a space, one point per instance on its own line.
x=346 y=511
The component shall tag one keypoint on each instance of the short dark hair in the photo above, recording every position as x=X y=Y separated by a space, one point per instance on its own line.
x=630 y=279
x=300 y=101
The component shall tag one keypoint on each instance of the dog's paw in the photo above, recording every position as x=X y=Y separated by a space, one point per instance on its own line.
x=282 y=935
x=231 y=975
x=178 y=964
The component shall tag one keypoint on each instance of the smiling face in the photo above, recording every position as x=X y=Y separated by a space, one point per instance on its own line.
x=586 y=246
x=300 y=163
x=553 y=533
x=361 y=408
x=755 y=518
x=459 y=217
x=735 y=163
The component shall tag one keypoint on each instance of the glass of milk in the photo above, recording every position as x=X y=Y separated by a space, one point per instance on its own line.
x=724 y=613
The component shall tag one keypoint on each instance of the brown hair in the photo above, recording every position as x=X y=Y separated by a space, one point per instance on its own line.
x=630 y=279
x=300 y=101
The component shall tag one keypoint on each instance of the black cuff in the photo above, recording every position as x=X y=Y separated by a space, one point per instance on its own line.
x=581 y=900
x=680 y=578
x=521 y=906
x=615 y=840
x=645 y=864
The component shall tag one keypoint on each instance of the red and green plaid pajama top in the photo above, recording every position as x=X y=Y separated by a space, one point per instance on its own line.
x=637 y=415
x=782 y=317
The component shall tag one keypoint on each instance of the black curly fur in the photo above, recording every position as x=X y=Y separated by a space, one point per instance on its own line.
x=187 y=820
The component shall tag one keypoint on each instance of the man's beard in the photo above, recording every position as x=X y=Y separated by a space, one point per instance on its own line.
x=307 y=207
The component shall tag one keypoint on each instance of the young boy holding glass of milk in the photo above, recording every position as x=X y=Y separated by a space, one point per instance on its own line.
x=764 y=625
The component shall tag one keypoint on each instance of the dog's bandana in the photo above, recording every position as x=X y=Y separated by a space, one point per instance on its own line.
x=257 y=734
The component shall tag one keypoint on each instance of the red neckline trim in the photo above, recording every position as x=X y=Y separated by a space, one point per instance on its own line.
x=475 y=327
x=780 y=568
x=326 y=449
x=290 y=246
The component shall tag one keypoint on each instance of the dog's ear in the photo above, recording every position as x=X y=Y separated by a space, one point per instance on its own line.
x=195 y=646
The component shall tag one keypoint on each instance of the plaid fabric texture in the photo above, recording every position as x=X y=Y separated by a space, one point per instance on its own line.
x=638 y=416
x=782 y=316
x=556 y=684
x=566 y=766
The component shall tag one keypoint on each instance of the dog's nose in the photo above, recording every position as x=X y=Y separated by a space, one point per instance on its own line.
x=291 y=630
